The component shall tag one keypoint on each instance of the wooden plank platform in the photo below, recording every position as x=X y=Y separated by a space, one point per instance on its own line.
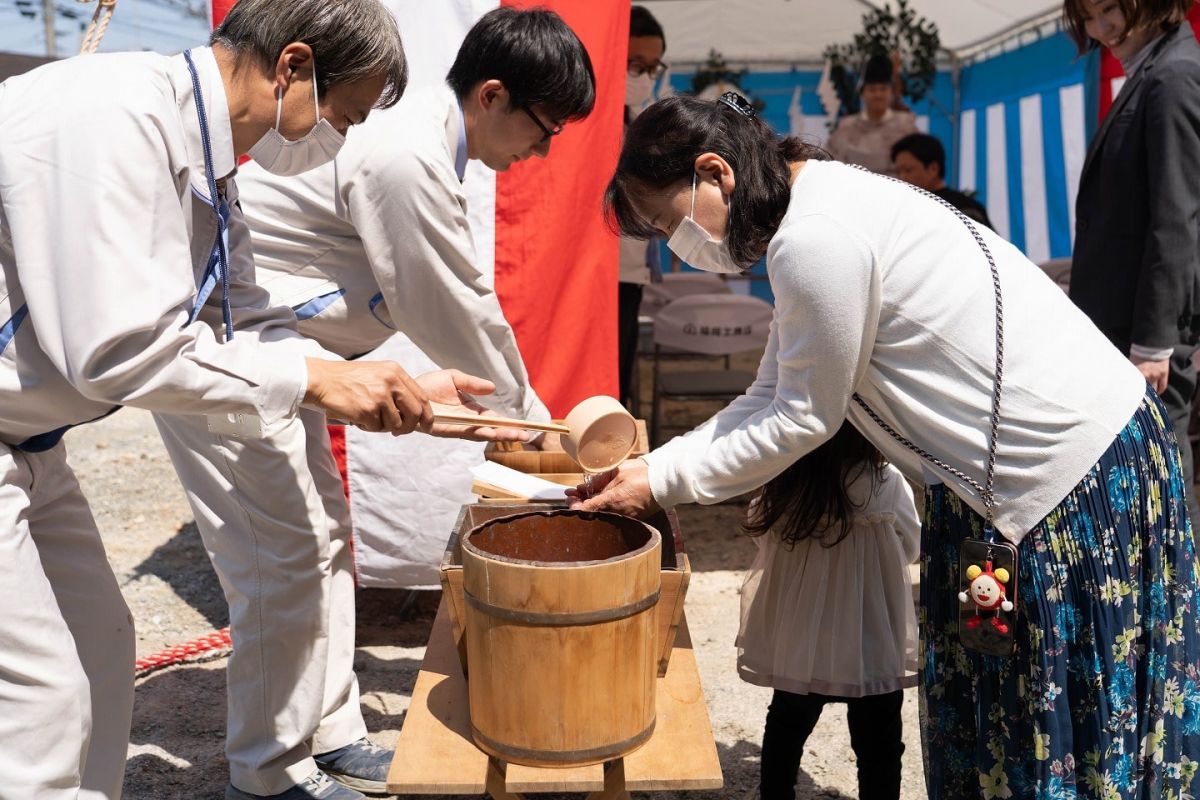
x=535 y=780
x=685 y=755
x=435 y=753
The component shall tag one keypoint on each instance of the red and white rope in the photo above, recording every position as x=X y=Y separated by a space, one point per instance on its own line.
x=202 y=648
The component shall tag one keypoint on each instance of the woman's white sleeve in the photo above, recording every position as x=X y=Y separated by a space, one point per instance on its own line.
x=826 y=308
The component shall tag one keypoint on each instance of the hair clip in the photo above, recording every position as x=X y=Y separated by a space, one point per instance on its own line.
x=738 y=104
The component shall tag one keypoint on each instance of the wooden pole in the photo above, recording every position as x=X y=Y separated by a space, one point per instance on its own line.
x=48 y=18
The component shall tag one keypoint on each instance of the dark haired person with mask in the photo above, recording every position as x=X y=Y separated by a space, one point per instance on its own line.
x=956 y=358
x=374 y=242
x=644 y=64
x=866 y=138
x=920 y=159
x=126 y=279
x=638 y=260
x=1136 y=266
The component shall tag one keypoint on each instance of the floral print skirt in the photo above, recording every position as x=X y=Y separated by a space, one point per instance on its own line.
x=1102 y=697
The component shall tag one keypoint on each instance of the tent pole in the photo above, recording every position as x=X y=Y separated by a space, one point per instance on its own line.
x=48 y=18
x=956 y=114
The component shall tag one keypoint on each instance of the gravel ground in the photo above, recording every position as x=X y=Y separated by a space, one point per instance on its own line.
x=178 y=725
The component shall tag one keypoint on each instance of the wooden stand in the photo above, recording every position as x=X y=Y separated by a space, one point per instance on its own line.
x=436 y=755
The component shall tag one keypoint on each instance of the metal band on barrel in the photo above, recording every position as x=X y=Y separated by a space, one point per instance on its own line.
x=562 y=619
x=595 y=754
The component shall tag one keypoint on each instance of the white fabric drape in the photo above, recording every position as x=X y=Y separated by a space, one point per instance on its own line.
x=405 y=493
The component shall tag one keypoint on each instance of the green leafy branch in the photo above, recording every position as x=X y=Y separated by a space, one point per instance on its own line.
x=717 y=71
x=885 y=32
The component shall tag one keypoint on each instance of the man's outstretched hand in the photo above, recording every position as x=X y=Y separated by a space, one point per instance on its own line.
x=452 y=391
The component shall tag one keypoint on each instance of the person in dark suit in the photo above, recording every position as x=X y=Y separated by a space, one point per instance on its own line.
x=920 y=159
x=1136 y=266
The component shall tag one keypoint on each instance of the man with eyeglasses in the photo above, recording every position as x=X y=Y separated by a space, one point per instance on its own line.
x=647 y=44
x=377 y=241
x=639 y=260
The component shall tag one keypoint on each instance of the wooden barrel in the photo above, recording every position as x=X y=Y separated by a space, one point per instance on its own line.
x=561 y=635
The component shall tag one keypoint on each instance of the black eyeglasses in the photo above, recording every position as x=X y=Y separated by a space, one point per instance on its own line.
x=636 y=69
x=546 y=132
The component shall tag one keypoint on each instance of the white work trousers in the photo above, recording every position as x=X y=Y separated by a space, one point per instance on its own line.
x=66 y=639
x=276 y=525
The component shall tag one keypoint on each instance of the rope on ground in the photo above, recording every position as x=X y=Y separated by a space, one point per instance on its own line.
x=98 y=25
x=202 y=648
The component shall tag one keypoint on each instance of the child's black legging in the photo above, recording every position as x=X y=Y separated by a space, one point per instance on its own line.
x=875 y=737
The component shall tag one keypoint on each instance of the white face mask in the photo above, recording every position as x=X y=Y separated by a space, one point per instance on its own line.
x=693 y=244
x=638 y=90
x=319 y=146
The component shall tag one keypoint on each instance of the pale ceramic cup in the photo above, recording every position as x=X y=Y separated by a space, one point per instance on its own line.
x=603 y=433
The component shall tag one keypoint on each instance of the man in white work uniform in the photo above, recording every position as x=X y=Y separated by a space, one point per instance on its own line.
x=375 y=242
x=124 y=267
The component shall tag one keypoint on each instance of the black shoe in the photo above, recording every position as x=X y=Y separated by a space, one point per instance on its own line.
x=317 y=786
x=359 y=765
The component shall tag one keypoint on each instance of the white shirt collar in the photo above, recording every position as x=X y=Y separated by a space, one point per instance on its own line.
x=460 y=143
x=1133 y=64
x=216 y=106
x=887 y=114
x=456 y=131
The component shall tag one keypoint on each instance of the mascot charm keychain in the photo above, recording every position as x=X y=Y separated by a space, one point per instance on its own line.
x=988 y=575
x=986 y=592
x=987 y=566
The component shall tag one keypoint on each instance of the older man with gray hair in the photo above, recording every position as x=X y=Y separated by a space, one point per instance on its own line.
x=126 y=279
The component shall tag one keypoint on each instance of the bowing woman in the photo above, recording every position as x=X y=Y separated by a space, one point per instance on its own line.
x=953 y=355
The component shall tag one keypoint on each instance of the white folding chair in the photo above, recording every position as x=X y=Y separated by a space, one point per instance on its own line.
x=706 y=325
x=655 y=297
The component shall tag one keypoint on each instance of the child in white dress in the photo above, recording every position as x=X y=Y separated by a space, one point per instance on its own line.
x=827 y=609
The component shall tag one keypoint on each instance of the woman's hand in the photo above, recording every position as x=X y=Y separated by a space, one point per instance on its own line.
x=453 y=392
x=1157 y=373
x=625 y=490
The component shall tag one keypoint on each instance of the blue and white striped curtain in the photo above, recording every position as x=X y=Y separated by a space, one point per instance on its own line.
x=1026 y=118
x=1022 y=138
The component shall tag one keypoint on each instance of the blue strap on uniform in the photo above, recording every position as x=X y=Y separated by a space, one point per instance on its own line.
x=318 y=304
x=374 y=304
x=218 y=260
x=9 y=329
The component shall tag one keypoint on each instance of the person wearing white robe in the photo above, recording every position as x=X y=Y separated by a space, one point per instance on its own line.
x=107 y=226
x=374 y=242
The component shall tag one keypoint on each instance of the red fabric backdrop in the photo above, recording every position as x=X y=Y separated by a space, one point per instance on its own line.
x=219 y=9
x=1111 y=68
x=556 y=261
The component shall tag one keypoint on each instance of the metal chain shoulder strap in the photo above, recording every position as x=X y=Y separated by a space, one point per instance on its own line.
x=987 y=490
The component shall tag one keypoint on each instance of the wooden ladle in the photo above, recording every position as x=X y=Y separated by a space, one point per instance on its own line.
x=599 y=432
x=478 y=420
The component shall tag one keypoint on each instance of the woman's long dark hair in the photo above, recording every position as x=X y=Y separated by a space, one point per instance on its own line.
x=810 y=498
x=660 y=151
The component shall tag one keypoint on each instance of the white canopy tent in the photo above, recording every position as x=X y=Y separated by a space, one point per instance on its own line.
x=797 y=31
